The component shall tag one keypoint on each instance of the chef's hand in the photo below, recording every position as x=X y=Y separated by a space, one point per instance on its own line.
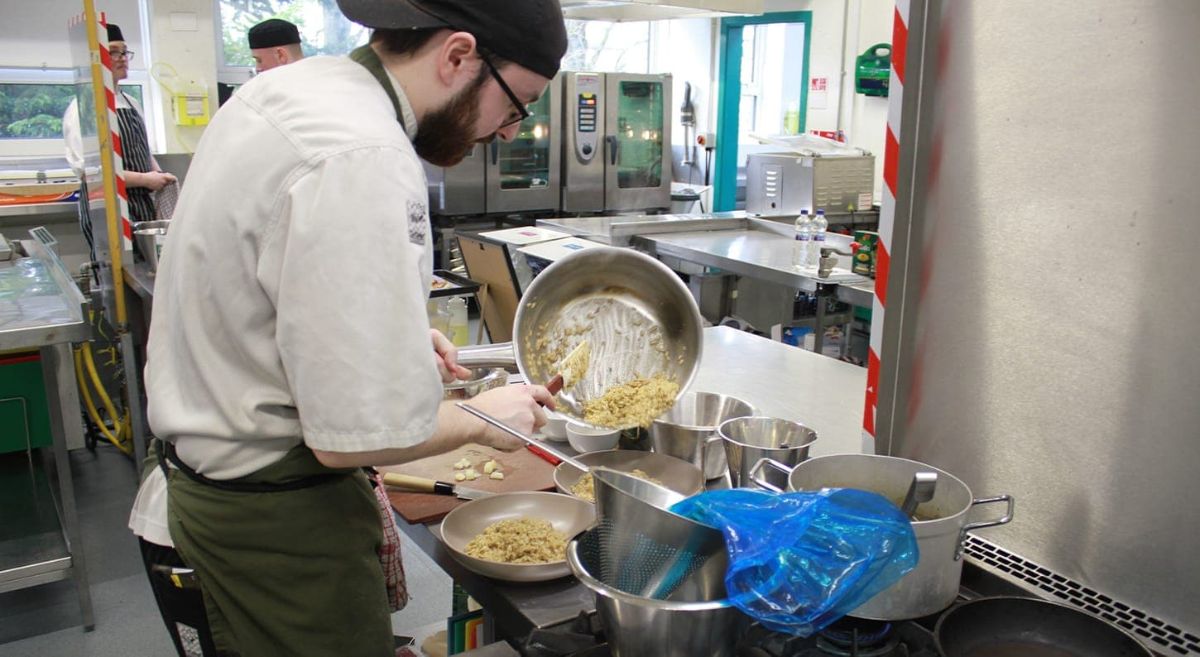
x=518 y=407
x=156 y=180
x=447 y=358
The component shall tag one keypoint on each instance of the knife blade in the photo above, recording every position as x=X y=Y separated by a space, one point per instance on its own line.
x=423 y=485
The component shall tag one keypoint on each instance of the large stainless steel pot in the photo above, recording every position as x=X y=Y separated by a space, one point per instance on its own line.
x=688 y=430
x=941 y=525
x=637 y=626
x=637 y=316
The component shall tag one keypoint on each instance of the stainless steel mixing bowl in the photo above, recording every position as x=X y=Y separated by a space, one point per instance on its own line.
x=636 y=314
x=482 y=379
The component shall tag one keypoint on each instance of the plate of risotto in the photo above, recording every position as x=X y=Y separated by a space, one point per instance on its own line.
x=516 y=537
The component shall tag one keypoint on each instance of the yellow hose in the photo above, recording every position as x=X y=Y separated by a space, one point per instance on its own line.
x=123 y=427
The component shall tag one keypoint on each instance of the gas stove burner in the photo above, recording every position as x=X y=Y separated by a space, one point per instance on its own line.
x=854 y=637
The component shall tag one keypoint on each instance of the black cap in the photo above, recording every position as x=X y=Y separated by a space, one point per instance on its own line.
x=273 y=32
x=528 y=32
x=114 y=33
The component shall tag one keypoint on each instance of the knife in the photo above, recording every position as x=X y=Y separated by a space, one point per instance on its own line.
x=422 y=485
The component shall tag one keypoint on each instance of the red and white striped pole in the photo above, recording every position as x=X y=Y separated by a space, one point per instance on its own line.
x=110 y=94
x=887 y=215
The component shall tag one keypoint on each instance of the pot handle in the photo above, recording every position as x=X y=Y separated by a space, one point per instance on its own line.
x=757 y=476
x=1003 y=520
x=491 y=355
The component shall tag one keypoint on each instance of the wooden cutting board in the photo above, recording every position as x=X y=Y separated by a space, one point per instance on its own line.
x=523 y=471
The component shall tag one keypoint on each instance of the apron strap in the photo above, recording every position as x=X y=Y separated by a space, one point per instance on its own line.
x=369 y=59
x=166 y=452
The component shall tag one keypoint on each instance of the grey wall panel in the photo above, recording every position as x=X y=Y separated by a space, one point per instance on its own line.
x=1057 y=353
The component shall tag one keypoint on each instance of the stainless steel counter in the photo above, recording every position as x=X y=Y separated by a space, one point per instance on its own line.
x=620 y=229
x=40 y=307
x=752 y=252
x=140 y=279
x=779 y=380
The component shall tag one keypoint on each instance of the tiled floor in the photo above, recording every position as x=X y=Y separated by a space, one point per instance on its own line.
x=45 y=620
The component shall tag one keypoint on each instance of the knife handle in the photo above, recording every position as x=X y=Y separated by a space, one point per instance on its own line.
x=419 y=484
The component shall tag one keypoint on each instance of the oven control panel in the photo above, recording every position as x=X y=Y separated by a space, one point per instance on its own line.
x=588 y=91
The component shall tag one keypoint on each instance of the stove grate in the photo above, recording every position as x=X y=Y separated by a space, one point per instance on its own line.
x=1158 y=632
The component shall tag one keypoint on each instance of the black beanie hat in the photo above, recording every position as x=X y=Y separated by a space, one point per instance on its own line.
x=273 y=32
x=114 y=33
x=528 y=32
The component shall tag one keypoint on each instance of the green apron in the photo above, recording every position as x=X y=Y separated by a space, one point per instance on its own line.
x=294 y=572
x=288 y=569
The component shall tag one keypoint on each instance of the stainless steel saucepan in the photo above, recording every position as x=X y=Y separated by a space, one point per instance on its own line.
x=636 y=314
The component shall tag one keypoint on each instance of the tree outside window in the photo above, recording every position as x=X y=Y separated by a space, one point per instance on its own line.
x=324 y=30
x=35 y=111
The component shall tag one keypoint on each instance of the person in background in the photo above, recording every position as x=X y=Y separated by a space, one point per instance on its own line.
x=143 y=176
x=273 y=43
x=290 y=346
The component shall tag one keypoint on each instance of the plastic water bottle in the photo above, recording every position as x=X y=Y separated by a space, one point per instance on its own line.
x=819 y=225
x=803 y=235
x=458 y=321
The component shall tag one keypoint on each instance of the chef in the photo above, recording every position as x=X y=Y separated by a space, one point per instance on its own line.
x=143 y=176
x=273 y=43
x=289 y=344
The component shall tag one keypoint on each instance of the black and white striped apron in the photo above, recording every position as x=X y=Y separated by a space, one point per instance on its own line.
x=136 y=157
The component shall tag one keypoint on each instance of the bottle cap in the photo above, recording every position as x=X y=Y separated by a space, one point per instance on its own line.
x=820 y=212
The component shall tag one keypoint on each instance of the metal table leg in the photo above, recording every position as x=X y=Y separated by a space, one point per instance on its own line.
x=133 y=395
x=58 y=365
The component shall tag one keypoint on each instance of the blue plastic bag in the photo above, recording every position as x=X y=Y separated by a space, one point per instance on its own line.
x=799 y=561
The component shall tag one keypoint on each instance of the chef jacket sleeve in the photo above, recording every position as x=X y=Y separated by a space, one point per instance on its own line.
x=72 y=138
x=352 y=328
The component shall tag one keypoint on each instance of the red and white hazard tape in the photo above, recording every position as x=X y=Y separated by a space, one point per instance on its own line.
x=887 y=215
x=110 y=94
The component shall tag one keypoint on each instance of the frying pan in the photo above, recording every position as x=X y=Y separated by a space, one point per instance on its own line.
x=636 y=314
x=1028 y=627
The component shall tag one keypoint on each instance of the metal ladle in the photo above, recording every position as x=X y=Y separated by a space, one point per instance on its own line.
x=919 y=491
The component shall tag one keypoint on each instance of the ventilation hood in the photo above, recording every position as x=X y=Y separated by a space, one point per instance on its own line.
x=651 y=10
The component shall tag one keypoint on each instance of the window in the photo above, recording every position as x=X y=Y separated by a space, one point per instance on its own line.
x=608 y=47
x=35 y=111
x=323 y=28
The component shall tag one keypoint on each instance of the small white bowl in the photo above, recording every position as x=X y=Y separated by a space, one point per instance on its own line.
x=555 y=427
x=586 y=438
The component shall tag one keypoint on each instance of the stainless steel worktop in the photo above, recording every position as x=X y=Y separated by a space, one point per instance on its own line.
x=779 y=380
x=619 y=230
x=752 y=252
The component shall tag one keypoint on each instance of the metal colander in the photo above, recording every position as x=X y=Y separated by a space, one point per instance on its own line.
x=641 y=548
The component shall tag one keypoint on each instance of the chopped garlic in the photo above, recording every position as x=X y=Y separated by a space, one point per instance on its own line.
x=458 y=476
x=497 y=475
x=490 y=467
x=471 y=474
x=463 y=464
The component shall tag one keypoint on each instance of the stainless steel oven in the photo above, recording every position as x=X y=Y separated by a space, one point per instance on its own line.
x=616 y=144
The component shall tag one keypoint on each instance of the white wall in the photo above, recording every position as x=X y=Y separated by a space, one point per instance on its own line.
x=841 y=30
x=33 y=33
x=183 y=34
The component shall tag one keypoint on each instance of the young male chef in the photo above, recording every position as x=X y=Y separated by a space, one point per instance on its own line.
x=289 y=344
x=273 y=43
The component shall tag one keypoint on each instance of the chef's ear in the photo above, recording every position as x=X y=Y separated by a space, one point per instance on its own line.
x=457 y=62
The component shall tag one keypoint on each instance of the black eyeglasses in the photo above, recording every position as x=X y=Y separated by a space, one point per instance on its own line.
x=121 y=54
x=522 y=111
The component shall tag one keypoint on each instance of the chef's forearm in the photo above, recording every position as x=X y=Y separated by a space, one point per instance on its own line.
x=454 y=429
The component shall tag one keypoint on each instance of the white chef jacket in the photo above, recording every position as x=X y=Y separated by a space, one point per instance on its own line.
x=73 y=137
x=290 y=296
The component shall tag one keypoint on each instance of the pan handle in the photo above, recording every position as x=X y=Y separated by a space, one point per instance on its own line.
x=491 y=355
x=757 y=476
x=1003 y=520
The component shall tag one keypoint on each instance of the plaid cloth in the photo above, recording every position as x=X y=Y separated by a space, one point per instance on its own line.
x=165 y=200
x=389 y=552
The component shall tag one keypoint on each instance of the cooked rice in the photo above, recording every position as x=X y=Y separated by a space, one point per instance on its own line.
x=633 y=404
x=520 y=540
x=585 y=488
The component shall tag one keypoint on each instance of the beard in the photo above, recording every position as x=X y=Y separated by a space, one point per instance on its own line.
x=447 y=134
